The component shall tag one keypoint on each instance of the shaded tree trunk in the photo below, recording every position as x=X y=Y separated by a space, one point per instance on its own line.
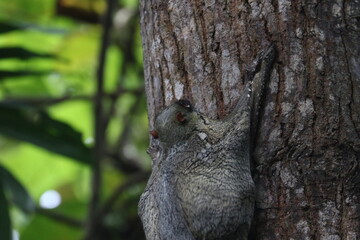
x=307 y=152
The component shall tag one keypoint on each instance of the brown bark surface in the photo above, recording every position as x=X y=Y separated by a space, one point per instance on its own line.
x=307 y=155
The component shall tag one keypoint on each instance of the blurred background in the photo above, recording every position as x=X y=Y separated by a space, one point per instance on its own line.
x=73 y=121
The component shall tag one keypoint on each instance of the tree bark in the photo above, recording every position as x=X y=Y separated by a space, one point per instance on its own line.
x=307 y=151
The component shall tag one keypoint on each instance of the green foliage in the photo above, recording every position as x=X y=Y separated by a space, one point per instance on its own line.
x=48 y=67
x=8 y=27
x=27 y=10
x=11 y=190
x=17 y=194
x=22 y=53
x=12 y=74
x=5 y=225
x=38 y=128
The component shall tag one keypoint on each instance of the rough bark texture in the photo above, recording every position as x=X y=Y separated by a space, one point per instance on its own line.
x=306 y=160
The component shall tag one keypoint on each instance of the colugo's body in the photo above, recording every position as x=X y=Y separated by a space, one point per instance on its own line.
x=201 y=186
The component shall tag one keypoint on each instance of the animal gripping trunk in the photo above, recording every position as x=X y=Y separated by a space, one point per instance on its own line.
x=201 y=185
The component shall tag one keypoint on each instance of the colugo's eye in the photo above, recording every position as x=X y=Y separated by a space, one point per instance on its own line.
x=185 y=103
x=180 y=117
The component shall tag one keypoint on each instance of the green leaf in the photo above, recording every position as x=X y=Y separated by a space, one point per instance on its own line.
x=37 y=127
x=17 y=194
x=22 y=53
x=5 y=224
x=10 y=74
x=7 y=27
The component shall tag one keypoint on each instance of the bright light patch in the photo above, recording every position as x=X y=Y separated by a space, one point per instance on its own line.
x=50 y=199
x=89 y=140
x=15 y=235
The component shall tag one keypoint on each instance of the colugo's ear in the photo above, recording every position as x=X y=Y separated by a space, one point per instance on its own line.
x=180 y=117
x=154 y=134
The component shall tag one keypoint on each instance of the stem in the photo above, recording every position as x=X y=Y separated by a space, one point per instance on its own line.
x=91 y=227
x=60 y=218
x=110 y=202
x=111 y=112
x=47 y=101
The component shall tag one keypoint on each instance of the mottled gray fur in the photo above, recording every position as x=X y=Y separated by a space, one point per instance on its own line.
x=201 y=185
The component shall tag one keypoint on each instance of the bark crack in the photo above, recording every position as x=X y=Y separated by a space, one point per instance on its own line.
x=351 y=80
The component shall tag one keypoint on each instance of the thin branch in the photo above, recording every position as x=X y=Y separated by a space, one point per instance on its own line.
x=127 y=124
x=122 y=72
x=91 y=227
x=60 y=218
x=47 y=101
x=132 y=180
x=124 y=164
x=110 y=202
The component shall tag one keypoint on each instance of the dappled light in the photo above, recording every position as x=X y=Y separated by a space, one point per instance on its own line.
x=50 y=199
x=15 y=235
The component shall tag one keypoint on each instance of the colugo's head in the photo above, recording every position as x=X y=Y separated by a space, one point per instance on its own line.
x=175 y=123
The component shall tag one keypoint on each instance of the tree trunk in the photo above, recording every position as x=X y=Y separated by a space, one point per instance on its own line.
x=307 y=151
